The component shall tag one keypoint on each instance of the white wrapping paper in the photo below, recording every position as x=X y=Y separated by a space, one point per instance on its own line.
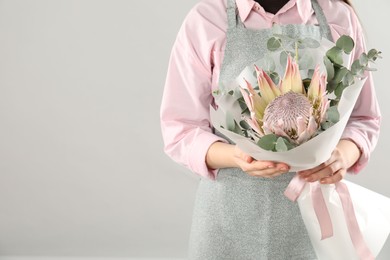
x=372 y=211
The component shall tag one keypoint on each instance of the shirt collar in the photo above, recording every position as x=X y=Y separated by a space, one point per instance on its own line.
x=304 y=8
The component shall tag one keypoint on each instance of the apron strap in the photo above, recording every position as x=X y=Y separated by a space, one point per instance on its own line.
x=324 y=26
x=234 y=20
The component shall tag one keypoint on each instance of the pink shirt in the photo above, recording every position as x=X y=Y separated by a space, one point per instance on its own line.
x=196 y=61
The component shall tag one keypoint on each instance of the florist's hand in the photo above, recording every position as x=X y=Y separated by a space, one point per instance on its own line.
x=334 y=169
x=266 y=169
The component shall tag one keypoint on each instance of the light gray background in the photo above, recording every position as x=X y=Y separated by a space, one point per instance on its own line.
x=82 y=172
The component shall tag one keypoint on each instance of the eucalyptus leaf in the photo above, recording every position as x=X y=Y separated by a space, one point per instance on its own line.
x=333 y=114
x=370 y=69
x=274 y=44
x=373 y=54
x=331 y=86
x=267 y=63
x=243 y=106
x=335 y=55
x=285 y=38
x=284 y=56
x=280 y=145
x=326 y=125
x=230 y=123
x=345 y=43
x=305 y=62
x=340 y=74
x=363 y=59
x=339 y=89
x=310 y=43
x=274 y=76
x=245 y=125
x=357 y=69
x=329 y=68
x=310 y=73
x=348 y=79
x=268 y=142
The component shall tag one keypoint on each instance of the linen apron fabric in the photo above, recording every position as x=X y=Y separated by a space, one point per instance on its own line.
x=237 y=216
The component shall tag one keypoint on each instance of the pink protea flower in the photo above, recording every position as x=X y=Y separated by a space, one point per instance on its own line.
x=287 y=110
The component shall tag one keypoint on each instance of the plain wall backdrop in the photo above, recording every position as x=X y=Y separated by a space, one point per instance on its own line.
x=82 y=168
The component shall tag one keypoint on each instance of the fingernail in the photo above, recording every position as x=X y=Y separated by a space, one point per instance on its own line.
x=283 y=169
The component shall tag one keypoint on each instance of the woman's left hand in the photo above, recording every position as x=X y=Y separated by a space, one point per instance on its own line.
x=334 y=169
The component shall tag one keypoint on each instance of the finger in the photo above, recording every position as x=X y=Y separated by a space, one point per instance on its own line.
x=338 y=176
x=257 y=166
x=238 y=153
x=269 y=173
x=323 y=173
x=308 y=172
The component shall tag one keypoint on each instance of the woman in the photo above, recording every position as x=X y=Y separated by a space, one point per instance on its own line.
x=240 y=210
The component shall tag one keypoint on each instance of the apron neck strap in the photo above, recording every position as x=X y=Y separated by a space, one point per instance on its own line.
x=234 y=19
x=321 y=18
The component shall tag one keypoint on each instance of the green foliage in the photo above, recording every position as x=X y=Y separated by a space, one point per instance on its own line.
x=340 y=77
x=272 y=142
x=274 y=44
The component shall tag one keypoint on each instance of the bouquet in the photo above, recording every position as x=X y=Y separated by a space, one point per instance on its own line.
x=299 y=119
x=280 y=119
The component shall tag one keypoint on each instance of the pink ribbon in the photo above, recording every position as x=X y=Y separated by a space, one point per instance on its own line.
x=294 y=190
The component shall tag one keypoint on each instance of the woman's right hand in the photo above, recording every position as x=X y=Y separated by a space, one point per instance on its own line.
x=265 y=169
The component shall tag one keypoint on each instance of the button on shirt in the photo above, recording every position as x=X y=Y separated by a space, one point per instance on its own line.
x=195 y=63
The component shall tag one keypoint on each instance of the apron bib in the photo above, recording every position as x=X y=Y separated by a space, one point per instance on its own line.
x=237 y=216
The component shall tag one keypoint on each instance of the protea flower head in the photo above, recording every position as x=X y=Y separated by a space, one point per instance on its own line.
x=287 y=110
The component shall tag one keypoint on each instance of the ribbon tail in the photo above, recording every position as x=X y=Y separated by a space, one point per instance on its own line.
x=352 y=224
x=322 y=212
x=294 y=188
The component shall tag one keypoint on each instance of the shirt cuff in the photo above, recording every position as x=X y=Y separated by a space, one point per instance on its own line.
x=361 y=143
x=197 y=160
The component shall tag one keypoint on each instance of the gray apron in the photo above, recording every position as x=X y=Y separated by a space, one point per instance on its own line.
x=237 y=216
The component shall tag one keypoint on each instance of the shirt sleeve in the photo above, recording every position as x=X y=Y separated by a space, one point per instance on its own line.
x=364 y=124
x=184 y=114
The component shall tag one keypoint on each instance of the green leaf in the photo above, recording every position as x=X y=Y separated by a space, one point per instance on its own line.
x=283 y=57
x=245 y=125
x=325 y=125
x=345 y=43
x=357 y=69
x=363 y=59
x=310 y=43
x=335 y=55
x=331 y=86
x=274 y=44
x=373 y=54
x=339 y=89
x=268 y=142
x=333 y=114
x=329 y=68
x=340 y=74
x=231 y=92
x=280 y=145
x=230 y=123
x=305 y=62
x=274 y=76
x=348 y=79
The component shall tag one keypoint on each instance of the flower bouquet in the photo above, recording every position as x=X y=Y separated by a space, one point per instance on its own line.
x=298 y=120
x=281 y=119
